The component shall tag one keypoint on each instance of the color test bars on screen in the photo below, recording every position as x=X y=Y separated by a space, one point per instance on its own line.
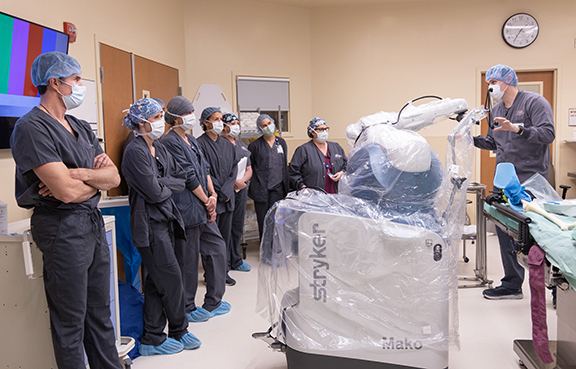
x=20 y=43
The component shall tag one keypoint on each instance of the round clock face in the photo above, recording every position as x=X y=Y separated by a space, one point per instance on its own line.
x=520 y=30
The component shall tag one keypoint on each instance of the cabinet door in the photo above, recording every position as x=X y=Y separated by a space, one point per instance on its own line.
x=159 y=80
x=151 y=79
x=25 y=341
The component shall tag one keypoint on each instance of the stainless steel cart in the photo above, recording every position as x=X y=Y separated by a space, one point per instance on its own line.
x=477 y=236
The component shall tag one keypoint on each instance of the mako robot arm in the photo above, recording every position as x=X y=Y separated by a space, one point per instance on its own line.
x=410 y=117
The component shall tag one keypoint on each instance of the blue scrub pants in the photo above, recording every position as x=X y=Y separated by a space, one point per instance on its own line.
x=513 y=271
x=262 y=207
x=77 y=284
x=224 y=221
x=234 y=255
x=206 y=240
x=163 y=292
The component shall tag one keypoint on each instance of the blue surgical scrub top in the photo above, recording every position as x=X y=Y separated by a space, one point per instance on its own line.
x=39 y=139
x=196 y=167
x=221 y=155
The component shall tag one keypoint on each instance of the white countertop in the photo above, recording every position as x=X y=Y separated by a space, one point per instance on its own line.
x=16 y=229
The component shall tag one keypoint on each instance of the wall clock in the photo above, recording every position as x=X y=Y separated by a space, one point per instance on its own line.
x=520 y=30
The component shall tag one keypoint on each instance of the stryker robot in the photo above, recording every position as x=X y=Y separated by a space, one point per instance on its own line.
x=363 y=279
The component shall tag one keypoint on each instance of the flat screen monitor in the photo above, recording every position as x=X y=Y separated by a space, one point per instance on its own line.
x=20 y=43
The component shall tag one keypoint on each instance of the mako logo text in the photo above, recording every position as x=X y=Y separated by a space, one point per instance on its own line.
x=389 y=343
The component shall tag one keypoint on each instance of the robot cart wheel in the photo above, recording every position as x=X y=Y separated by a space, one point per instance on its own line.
x=466 y=259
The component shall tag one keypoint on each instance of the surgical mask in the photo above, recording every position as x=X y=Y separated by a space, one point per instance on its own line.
x=188 y=121
x=75 y=98
x=217 y=127
x=157 y=129
x=234 y=131
x=322 y=136
x=269 y=130
x=496 y=92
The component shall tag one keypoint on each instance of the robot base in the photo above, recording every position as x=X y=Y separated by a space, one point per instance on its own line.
x=301 y=360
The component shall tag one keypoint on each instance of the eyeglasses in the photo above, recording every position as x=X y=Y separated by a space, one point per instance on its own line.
x=327 y=129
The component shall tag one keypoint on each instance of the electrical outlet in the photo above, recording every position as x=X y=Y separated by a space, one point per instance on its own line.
x=145 y=94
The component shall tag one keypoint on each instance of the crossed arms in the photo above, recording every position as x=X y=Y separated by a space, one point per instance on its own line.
x=78 y=184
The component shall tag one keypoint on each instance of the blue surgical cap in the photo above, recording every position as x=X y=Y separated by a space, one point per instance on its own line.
x=141 y=110
x=261 y=117
x=177 y=107
x=313 y=124
x=502 y=73
x=159 y=101
x=229 y=117
x=206 y=113
x=53 y=64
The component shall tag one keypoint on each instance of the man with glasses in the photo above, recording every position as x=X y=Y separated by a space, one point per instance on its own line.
x=522 y=134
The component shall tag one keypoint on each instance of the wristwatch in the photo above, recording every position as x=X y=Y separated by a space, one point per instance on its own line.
x=520 y=130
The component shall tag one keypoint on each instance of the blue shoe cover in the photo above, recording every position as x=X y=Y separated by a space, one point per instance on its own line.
x=189 y=341
x=221 y=310
x=226 y=304
x=198 y=315
x=170 y=346
x=244 y=267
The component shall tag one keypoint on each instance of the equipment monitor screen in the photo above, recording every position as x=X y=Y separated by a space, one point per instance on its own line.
x=21 y=42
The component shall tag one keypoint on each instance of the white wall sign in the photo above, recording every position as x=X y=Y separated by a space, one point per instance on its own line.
x=572 y=117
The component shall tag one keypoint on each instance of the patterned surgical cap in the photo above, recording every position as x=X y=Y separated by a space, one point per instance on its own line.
x=141 y=110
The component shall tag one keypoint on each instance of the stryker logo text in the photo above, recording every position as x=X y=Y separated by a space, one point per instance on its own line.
x=318 y=255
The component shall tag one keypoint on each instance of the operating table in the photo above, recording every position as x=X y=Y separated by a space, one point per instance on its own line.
x=518 y=225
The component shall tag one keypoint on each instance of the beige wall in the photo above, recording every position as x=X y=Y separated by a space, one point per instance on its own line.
x=377 y=57
x=226 y=38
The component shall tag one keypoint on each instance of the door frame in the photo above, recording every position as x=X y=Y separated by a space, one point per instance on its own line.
x=480 y=101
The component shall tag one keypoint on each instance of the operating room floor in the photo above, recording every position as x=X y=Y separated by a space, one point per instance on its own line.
x=487 y=328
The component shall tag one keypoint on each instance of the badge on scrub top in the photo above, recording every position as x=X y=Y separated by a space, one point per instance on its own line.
x=280 y=150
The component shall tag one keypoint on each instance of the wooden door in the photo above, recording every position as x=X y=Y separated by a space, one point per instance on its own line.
x=488 y=158
x=117 y=96
x=159 y=80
